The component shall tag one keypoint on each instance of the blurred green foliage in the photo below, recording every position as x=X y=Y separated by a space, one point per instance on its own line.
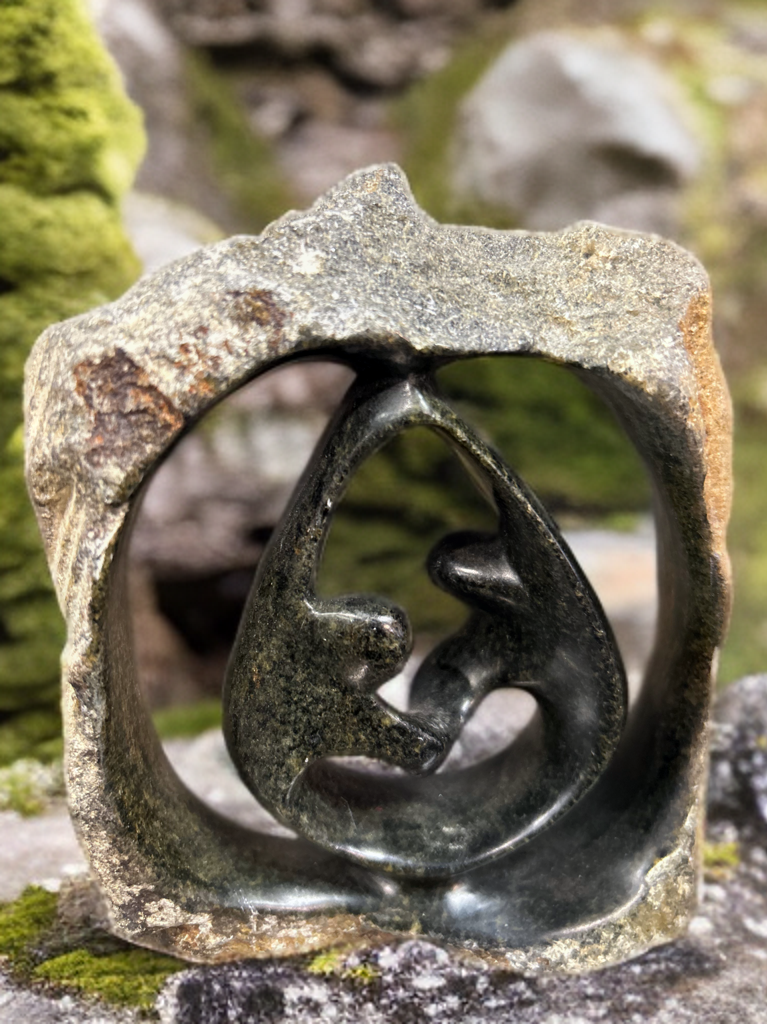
x=70 y=142
x=27 y=786
x=183 y=720
x=746 y=649
x=244 y=163
x=425 y=117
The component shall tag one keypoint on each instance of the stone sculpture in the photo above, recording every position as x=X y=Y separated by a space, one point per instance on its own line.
x=576 y=846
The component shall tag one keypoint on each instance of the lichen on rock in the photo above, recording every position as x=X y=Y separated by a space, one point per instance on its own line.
x=71 y=141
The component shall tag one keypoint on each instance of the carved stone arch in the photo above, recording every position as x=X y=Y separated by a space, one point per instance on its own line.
x=365 y=273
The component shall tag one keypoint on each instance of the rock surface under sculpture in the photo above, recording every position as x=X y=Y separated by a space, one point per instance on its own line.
x=715 y=975
x=366 y=277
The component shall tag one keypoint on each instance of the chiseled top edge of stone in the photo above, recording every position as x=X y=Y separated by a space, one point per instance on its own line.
x=108 y=391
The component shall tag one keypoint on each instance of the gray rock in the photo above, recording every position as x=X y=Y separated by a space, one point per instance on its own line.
x=40 y=850
x=381 y=45
x=622 y=567
x=22 y=1006
x=151 y=60
x=570 y=126
x=691 y=982
x=161 y=230
x=738 y=774
x=319 y=153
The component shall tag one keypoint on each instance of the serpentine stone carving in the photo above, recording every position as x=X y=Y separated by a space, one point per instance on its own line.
x=303 y=677
x=574 y=847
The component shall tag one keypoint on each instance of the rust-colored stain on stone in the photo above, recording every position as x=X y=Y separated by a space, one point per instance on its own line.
x=197 y=363
x=271 y=937
x=716 y=413
x=127 y=410
x=258 y=306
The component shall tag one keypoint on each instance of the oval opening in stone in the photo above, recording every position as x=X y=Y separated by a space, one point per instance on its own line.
x=558 y=436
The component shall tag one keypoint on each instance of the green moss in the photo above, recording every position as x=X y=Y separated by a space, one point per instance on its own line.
x=70 y=142
x=364 y=974
x=326 y=963
x=23 y=924
x=27 y=786
x=65 y=123
x=244 y=162
x=333 y=963
x=133 y=977
x=40 y=948
x=183 y=720
x=721 y=855
x=79 y=246
x=720 y=861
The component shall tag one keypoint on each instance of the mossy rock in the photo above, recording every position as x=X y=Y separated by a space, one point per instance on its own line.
x=70 y=142
x=65 y=122
x=42 y=948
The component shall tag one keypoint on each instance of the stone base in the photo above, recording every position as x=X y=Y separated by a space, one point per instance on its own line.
x=716 y=975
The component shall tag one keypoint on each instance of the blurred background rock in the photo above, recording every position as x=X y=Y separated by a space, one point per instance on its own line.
x=530 y=114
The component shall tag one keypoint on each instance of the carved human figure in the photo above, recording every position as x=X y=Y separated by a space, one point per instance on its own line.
x=303 y=678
